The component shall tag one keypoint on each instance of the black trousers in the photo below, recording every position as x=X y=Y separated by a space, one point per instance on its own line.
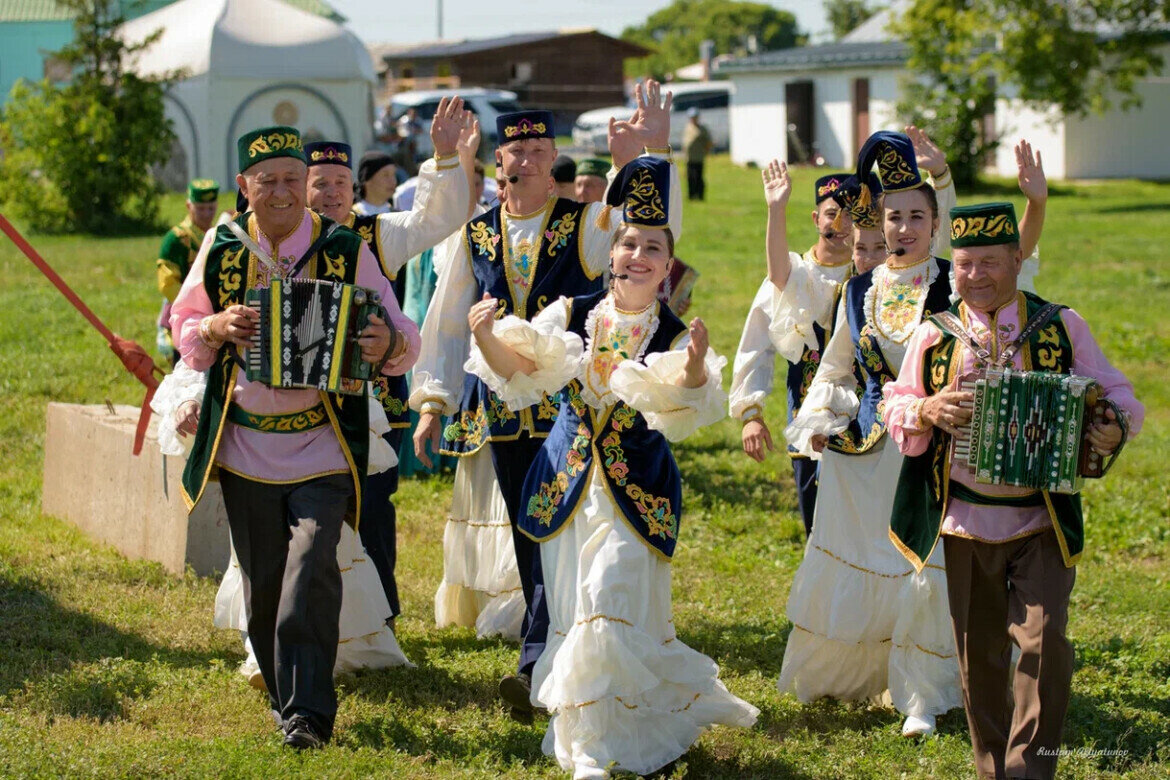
x=806 y=470
x=378 y=527
x=512 y=460
x=286 y=541
x=696 y=187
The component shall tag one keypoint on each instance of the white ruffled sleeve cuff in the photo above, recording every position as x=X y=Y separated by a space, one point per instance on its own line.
x=827 y=410
x=427 y=394
x=182 y=385
x=748 y=405
x=674 y=410
x=556 y=353
x=793 y=311
x=382 y=456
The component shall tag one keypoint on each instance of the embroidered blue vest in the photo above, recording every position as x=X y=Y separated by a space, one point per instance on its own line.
x=560 y=271
x=867 y=428
x=392 y=391
x=636 y=461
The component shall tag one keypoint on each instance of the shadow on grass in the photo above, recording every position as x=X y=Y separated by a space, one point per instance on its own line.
x=1010 y=189
x=758 y=647
x=1128 y=208
x=67 y=662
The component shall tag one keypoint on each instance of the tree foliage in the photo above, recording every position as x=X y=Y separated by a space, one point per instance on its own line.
x=77 y=156
x=674 y=33
x=1079 y=57
x=846 y=15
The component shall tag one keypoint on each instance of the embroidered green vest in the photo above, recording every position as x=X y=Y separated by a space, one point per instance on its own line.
x=230 y=272
x=920 y=502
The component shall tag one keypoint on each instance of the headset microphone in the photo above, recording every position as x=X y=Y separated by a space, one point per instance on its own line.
x=512 y=179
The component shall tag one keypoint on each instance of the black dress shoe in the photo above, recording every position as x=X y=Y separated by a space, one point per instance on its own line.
x=516 y=690
x=299 y=734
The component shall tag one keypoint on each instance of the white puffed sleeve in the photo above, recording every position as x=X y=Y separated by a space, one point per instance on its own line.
x=832 y=398
x=1026 y=280
x=556 y=353
x=182 y=385
x=652 y=389
x=806 y=299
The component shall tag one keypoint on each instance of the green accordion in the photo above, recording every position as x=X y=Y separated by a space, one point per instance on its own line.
x=1028 y=429
x=307 y=336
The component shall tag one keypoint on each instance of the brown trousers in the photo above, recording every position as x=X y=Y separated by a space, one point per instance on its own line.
x=1015 y=591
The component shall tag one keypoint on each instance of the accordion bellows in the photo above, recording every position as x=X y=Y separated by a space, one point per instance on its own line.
x=1028 y=429
x=308 y=335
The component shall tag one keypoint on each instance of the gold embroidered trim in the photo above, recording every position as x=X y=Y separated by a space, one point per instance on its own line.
x=839 y=559
x=600 y=616
x=503 y=524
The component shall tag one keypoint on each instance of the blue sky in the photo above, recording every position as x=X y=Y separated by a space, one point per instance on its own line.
x=407 y=21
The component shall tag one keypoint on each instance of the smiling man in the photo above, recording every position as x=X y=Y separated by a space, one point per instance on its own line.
x=291 y=462
x=1010 y=552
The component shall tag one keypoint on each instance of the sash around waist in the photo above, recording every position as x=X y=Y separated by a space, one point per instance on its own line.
x=289 y=422
x=963 y=493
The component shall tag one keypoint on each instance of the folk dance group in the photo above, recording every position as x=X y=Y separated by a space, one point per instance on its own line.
x=549 y=365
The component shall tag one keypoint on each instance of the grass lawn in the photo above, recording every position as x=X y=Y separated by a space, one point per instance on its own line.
x=111 y=668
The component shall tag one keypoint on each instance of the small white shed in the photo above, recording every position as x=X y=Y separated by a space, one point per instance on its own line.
x=249 y=63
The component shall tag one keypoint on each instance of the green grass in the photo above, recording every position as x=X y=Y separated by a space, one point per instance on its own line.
x=111 y=668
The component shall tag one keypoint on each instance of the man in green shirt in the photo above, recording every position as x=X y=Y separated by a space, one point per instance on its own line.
x=696 y=141
x=179 y=247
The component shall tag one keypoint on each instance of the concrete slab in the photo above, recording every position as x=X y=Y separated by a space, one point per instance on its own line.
x=92 y=480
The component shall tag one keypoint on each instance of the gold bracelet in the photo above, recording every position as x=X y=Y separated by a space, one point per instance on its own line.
x=448 y=156
x=666 y=150
x=942 y=179
x=431 y=407
x=209 y=341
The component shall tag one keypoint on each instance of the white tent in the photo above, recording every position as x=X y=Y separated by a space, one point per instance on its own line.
x=250 y=63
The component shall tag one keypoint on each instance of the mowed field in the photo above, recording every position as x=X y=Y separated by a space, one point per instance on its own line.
x=111 y=668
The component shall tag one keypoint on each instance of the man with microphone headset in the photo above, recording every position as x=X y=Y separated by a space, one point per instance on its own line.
x=526 y=254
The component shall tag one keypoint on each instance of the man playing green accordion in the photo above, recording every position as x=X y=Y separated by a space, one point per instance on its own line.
x=1011 y=552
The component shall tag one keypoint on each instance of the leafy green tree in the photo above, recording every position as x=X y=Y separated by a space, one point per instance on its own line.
x=77 y=156
x=1080 y=57
x=674 y=33
x=846 y=15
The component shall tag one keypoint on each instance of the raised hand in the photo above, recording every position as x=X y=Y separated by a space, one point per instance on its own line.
x=469 y=137
x=926 y=152
x=649 y=127
x=777 y=185
x=1033 y=182
x=695 y=371
x=482 y=317
x=447 y=124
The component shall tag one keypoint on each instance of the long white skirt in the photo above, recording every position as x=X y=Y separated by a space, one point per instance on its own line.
x=863 y=621
x=366 y=642
x=481 y=584
x=622 y=689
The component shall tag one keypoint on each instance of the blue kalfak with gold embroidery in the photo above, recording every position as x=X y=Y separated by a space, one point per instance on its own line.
x=635 y=461
x=555 y=269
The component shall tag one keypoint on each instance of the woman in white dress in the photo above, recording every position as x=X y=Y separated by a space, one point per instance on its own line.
x=603 y=498
x=366 y=641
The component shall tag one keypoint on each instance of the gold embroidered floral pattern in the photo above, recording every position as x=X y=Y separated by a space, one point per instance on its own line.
x=473 y=428
x=274 y=142
x=644 y=201
x=547 y=408
x=623 y=417
x=231 y=276
x=485 y=239
x=894 y=169
x=656 y=512
x=523 y=264
x=380 y=387
x=900 y=306
x=334 y=265
x=524 y=128
x=366 y=232
x=559 y=232
x=543 y=504
x=989 y=227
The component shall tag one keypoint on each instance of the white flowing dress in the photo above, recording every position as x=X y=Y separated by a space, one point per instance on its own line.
x=365 y=639
x=863 y=621
x=623 y=690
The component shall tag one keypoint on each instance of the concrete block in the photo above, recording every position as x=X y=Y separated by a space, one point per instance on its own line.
x=93 y=480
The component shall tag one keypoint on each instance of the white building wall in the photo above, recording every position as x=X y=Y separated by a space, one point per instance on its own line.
x=1043 y=129
x=1123 y=144
x=758 y=119
x=833 y=125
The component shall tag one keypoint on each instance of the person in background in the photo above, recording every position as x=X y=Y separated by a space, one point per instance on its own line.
x=564 y=172
x=178 y=250
x=697 y=143
x=377 y=180
x=590 y=182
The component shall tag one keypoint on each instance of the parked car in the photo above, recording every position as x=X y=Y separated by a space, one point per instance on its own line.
x=711 y=98
x=486 y=104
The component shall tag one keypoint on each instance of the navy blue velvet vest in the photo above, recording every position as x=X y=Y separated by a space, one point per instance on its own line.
x=636 y=461
x=560 y=271
x=392 y=391
x=867 y=428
